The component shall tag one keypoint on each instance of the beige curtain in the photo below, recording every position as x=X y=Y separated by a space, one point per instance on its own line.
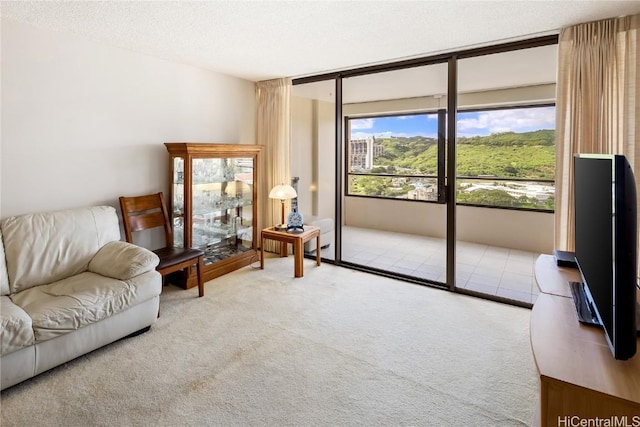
x=597 y=106
x=273 y=132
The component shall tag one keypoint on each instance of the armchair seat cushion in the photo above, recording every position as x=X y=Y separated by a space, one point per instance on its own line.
x=172 y=256
x=16 y=331
x=326 y=227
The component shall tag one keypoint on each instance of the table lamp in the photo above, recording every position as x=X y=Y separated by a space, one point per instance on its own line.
x=283 y=192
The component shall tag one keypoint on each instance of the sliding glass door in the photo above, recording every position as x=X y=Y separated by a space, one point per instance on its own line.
x=505 y=170
x=394 y=144
x=413 y=190
x=313 y=107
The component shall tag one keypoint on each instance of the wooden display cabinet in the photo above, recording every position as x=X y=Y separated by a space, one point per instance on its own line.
x=213 y=205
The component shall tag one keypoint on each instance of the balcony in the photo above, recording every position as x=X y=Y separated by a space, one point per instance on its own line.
x=489 y=270
x=495 y=249
x=386 y=137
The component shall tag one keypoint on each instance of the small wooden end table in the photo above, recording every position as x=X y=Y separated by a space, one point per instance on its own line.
x=297 y=240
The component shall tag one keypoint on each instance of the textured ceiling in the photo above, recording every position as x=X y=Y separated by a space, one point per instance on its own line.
x=259 y=40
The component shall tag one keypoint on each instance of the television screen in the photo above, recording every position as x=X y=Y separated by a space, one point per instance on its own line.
x=605 y=245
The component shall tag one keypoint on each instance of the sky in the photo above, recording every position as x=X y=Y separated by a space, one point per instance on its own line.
x=480 y=123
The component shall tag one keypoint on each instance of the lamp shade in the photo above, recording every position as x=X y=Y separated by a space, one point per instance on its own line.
x=283 y=192
x=235 y=188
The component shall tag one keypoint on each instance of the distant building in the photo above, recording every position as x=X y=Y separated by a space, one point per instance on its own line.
x=422 y=192
x=362 y=152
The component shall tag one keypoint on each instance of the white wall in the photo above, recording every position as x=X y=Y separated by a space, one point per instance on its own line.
x=302 y=144
x=508 y=228
x=83 y=123
x=313 y=155
x=516 y=229
x=401 y=216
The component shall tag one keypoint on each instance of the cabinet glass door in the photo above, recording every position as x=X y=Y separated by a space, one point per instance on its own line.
x=177 y=205
x=221 y=211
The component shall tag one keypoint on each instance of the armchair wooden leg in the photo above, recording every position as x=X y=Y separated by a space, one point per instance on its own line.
x=199 y=270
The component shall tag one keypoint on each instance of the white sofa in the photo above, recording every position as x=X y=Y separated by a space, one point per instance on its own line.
x=68 y=286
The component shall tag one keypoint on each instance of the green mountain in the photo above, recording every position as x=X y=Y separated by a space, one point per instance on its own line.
x=506 y=154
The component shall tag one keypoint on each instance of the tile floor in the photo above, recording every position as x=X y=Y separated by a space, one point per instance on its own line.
x=504 y=272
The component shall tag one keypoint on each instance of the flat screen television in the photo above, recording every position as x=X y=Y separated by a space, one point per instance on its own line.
x=605 y=246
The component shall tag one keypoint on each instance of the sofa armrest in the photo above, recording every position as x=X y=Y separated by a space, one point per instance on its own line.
x=123 y=261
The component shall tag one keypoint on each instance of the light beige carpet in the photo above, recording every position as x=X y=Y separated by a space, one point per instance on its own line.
x=335 y=348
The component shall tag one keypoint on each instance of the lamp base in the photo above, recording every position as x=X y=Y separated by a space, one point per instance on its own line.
x=280 y=227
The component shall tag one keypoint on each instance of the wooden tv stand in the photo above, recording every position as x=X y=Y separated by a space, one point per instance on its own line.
x=579 y=378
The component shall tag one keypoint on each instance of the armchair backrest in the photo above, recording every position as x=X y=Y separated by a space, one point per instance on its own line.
x=144 y=213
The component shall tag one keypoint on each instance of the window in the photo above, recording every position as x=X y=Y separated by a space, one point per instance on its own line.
x=396 y=156
x=505 y=157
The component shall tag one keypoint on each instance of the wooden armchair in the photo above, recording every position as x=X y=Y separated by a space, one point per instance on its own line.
x=150 y=211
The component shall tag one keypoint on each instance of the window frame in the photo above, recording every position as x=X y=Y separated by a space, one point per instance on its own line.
x=441 y=147
x=441 y=174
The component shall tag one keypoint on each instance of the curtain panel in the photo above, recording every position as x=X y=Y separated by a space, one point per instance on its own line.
x=597 y=107
x=273 y=132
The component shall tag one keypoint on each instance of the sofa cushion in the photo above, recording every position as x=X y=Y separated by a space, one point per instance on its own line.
x=122 y=260
x=46 y=247
x=83 y=299
x=15 y=327
x=4 y=279
x=326 y=232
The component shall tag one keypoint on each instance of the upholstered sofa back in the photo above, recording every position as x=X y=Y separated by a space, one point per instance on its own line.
x=46 y=247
